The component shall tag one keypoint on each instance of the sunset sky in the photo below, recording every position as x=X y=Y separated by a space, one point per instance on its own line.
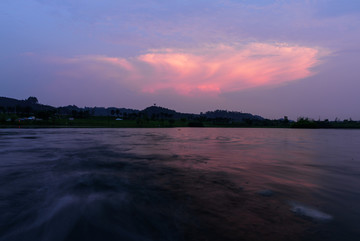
x=270 y=58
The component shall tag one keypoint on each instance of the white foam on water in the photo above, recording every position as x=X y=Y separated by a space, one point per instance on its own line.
x=55 y=219
x=310 y=212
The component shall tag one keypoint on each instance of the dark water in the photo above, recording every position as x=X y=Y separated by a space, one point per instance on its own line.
x=179 y=184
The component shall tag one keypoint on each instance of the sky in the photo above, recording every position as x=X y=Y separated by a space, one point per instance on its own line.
x=274 y=58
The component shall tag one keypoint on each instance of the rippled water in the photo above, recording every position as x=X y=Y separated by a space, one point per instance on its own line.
x=179 y=184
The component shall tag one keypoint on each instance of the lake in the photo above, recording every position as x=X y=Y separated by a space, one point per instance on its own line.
x=179 y=184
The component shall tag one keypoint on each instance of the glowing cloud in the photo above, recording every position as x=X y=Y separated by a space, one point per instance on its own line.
x=210 y=69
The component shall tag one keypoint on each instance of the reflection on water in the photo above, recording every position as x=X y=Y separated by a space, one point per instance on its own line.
x=179 y=184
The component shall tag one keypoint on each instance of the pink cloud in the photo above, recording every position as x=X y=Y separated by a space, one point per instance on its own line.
x=210 y=69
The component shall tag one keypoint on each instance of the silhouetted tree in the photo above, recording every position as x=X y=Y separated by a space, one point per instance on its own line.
x=11 y=109
x=286 y=120
x=19 y=109
x=45 y=115
x=32 y=100
x=74 y=113
x=27 y=109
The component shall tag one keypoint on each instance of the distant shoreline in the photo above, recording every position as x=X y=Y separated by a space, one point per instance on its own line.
x=30 y=113
x=135 y=126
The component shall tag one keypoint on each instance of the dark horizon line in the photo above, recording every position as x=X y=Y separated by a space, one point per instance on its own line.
x=185 y=113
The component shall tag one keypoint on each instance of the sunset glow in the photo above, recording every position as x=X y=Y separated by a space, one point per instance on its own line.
x=263 y=57
x=213 y=69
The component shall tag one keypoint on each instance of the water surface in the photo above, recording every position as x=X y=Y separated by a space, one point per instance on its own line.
x=179 y=184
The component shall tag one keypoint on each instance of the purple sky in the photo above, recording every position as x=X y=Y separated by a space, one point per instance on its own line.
x=271 y=58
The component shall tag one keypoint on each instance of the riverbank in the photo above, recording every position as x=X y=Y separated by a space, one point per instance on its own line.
x=109 y=122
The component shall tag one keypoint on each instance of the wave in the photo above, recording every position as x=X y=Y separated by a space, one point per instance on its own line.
x=309 y=212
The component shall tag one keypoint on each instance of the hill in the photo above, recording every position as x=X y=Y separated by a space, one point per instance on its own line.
x=30 y=113
x=32 y=106
x=29 y=105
